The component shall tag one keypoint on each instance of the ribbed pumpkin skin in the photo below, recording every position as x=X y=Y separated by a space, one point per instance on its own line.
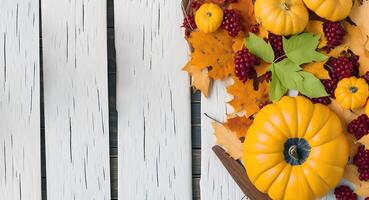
x=346 y=98
x=332 y=10
x=264 y=146
x=273 y=16
x=209 y=17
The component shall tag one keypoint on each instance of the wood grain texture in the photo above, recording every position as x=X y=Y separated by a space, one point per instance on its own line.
x=76 y=99
x=153 y=101
x=216 y=182
x=20 y=162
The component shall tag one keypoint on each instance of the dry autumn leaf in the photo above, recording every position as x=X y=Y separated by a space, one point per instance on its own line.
x=245 y=98
x=363 y=189
x=317 y=68
x=345 y=115
x=262 y=68
x=211 y=50
x=351 y=174
x=316 y=27
x=201 y=81
x=365 y=141
x=228 y=140
x=246 y=9
x=356 y=40
x=238 y=125
x=360 y=15
x=238 y=42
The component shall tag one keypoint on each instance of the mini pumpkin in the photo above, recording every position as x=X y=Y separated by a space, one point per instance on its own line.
x=209 y=17
x=352 y=93
x=282 y=17
x=295 y=150
x=332 y=10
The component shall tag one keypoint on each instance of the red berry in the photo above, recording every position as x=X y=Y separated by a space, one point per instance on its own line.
x=344 y=192
x=232 y=1
x=263 y=104
x=254 y=28
x=361 y=160
x=244 y=64
x=322 y=100
x=359 y=126
x=232 y=22
x=341 y=67
x=195 y=5
x=367 y=198
x=334 y=32
x=189 y=24
x=266 y=77
x=276 y=42
x=330 y=85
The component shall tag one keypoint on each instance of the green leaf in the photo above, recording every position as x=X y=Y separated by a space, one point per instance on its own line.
x=277 y=90
x=260 y=48
x=302 y=48
x=288 y=75
x=311 y=86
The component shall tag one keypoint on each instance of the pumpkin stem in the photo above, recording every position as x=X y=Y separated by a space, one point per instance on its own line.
x=292 y=151
x=209 y=14
x=285 y=6
x=353 y=89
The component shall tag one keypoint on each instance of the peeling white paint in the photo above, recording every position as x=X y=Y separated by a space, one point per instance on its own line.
x=153 y=101
x=20 y=164
x=76 y=99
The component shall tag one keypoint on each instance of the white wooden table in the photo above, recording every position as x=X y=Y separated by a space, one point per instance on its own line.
x=57 y=88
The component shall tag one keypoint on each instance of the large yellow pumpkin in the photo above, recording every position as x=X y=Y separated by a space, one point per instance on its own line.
x=333 y=10
x=295 y=150
x=282 y=17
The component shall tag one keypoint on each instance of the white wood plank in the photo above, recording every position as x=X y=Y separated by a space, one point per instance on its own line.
x=153 y=101
x=20 y=164
x=215 y=182
x=76 y=99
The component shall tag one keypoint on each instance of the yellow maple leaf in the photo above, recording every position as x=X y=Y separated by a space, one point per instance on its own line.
x=228 y=140
x=212 y=50
x=352 y=175
x=238 y=42
x=365 y=141
x=238 y=125
x=317 y=68
x=262 y=68
x=360 y=15
x=345 y=115
x=201 y=81
x=316 y=27
x=363 y=189
x=356 y=40
x=246 y=10
x=245 y=98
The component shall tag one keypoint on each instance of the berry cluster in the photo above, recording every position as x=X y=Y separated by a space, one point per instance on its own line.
x=244 y=64
x=232 y=22
x=366 y=77
x=254 y=28
x=344 y=192
x=330 y=85
x=322 y=100
x=276 y=42
x=195 y=5
x=339 y=68
x=361 y=160
x=189 y=24
x=232 y=1
x=334 y=32
x=359 y=127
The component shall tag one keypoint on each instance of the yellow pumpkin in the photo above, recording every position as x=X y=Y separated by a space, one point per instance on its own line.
x=352 y=93
x=282 y=17
x=209 y=17
x=295 y=150
x=332 y=10
x=367 y=108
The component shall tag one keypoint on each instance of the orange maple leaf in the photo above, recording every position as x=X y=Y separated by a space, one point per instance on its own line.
x=316 y=27
x=213 y=51
x=317 y=68
x=356 y=40
x=245 y=98
x=365 y=141
x=238 y=125
x=246 y=10
x=352 y=175
x=201 y=81
x=228 y=140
